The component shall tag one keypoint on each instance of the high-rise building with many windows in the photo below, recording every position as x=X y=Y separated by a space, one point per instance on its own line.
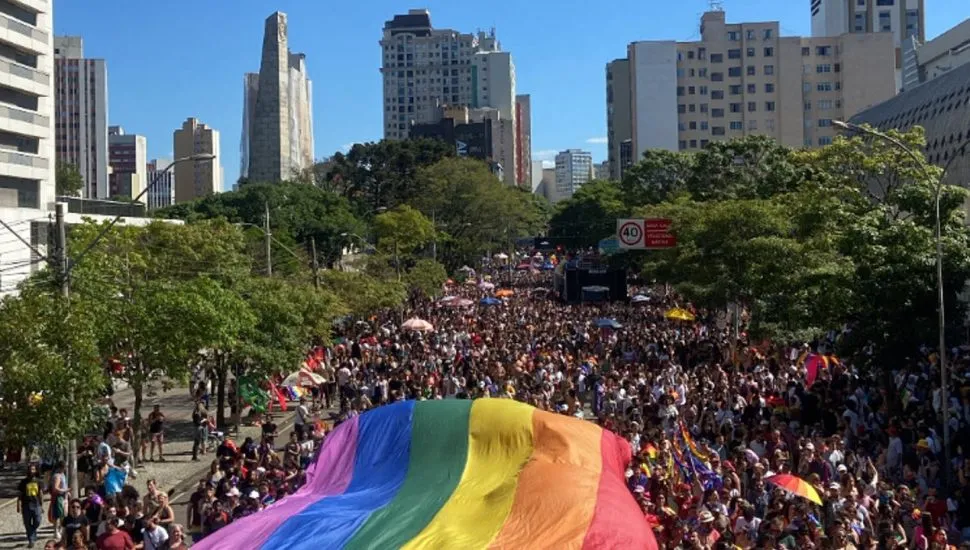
x=744 y=79
x=573 y=168
x=128 y=158
x=902 y=19
x=425 y=69
x=162 y=191
x=81 y=125
x=277 y=141
x=199 y=178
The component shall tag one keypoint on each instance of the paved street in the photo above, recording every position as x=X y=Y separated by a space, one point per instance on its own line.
x=178 y=474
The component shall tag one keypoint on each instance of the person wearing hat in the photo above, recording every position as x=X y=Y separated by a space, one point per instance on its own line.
x=707 y=535
x=113 y=537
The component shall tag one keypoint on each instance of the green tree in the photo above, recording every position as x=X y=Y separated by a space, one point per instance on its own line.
x=657 y=177
x=589 y=215
x=427 y=277
x=402 y=231
x=363 y=294
x=52 y=376
x=68 y=181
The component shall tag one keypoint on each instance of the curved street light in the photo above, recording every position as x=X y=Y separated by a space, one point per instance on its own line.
x=937 y=191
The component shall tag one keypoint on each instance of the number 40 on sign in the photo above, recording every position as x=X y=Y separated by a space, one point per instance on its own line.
x=648 y=234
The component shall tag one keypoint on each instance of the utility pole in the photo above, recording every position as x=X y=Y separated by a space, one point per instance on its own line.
x=434 y=243
x=316 y=264
x=60 y=233
x=268 y=237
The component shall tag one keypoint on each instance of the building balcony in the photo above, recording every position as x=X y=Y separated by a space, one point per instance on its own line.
x=28 y=79
x=24 y=36
x=24 y=159
x=20 y=121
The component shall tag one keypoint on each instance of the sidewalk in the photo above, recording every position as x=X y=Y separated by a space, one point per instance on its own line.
x=177 y=473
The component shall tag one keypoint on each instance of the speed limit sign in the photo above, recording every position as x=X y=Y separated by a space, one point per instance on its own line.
x=630 y=233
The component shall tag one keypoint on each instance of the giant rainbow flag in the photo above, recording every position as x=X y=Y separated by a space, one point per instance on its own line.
x=489 y=473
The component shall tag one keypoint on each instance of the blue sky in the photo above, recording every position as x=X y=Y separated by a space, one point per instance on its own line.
x=172 y=59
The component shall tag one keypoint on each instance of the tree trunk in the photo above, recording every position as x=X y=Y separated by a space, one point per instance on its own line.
x=221 y=392
x=138 y=390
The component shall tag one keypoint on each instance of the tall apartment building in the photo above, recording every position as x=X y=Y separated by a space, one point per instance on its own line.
x=743 y=79
x=81 y=116
x=923 y=62
x=523 y=141
x=425 y=69
x=619 y=118
x=573 y=168
x=162 y=192
x=128 y=159
x=601 y=171
x=277 y=141
x=27 y=137
x=199 y=178
x=902 y=19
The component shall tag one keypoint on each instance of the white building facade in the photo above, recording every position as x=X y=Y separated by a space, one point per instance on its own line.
x=573 y=169
x=81 y=113
x=162 y=192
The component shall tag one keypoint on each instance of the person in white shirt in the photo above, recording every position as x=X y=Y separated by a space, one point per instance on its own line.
x=155 y=536
x=301 y=420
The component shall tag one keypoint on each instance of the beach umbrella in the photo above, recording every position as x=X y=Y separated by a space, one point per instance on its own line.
x=461 y=302
x=447 y=299
x=640 y=299
x=417 y=325
x=490 y=301
x=486 y=286
x=796 y=486
x=450 y=282
x=608 y=323
x=524 y=266
x=466 y=269
x=679 y=314
x=501 y=256
x=471 y=282
x=504 y=293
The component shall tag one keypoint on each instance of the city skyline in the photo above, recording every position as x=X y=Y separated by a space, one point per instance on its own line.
x=566 y=85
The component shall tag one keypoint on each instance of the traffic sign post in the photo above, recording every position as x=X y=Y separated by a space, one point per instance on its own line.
x=648 y=234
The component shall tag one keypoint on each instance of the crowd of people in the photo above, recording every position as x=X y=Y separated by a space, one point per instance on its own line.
x=711 y=417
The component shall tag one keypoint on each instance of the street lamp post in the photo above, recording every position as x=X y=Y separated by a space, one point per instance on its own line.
x=938 y=237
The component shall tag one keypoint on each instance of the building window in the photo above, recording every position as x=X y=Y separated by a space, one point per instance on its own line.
x=690 y=54
x=824 y=122
x=737 y=125
x=734 y=54
x=680 y=91
x=767 y=34
x=769 y=70
x=752 y=124
x=885 y=3
x=735 y=90
x=701 y=53
x=717 y=77
x=824 y=104
x=808 y=105
x=749 y=34
x=717 y=94
x=751 y=70
x=735 y=107
x=717 y=58
x=681 y=126
x=823 y=68
x=703 y=109
x=717 y=130
x=691 y=108
x=734 y=35
x=769 y=52
x=704 y=143
x=717 y=113
x=769 y=106
x=769 y=88
x=838 y=67
x=885 y=21
x=825 y=140
x=702 y=72
x=770 y=124
x=823 y=50
x=824 y=86
x=682 y=108
x=859 y=24
x=682 y=144
x=752 y=88
x=693 y=125
x=703 y=90
x=806 y=51
x=752 y=106
x=693 y=144
x=750 y=52
x=734 y=72
x=703 y=125
x=691 y=90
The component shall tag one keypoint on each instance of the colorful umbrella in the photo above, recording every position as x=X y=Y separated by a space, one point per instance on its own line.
x=796 y=486
x=504 y=293
x=640 y=298
x=608 y=323
x=418 y=325
x=460 y=302
x=489 y=301
x=679 y=314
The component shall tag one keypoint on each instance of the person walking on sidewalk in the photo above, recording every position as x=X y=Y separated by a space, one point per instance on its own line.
x=156 y=427
x=59 y=491
x=30 y=503
x=200 y=419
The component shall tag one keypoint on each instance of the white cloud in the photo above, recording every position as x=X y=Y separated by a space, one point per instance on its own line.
x=597 y=140
x=548 y=164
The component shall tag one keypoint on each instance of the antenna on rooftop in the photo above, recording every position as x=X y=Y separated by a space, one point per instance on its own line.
x=717 y=5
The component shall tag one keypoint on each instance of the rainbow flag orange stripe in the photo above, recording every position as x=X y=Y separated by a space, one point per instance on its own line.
x=490 y=473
